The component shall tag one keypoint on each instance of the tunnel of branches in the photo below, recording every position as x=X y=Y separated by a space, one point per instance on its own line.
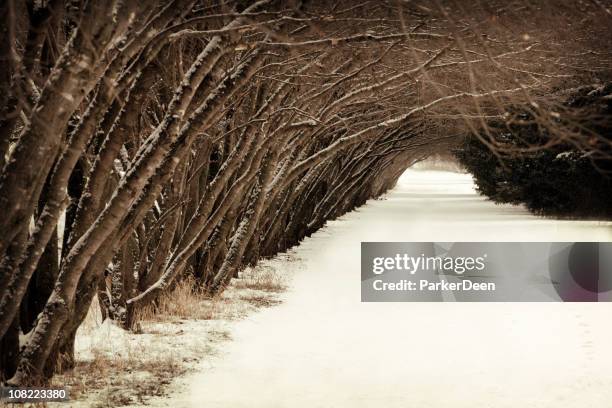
x=144 y=142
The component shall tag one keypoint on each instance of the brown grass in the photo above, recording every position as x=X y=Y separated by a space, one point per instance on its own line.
x=260 y=300
x=262 y=278
x=185 y=301
x=140 y=377
x=126 y=368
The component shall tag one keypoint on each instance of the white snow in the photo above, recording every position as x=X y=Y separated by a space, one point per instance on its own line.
x=324 y=348
x=569 y=155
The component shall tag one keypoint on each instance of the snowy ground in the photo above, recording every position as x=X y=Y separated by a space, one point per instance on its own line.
x=322 y=347
x=116 y=368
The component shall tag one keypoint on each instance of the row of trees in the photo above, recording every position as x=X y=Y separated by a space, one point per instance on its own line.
x=143 y=141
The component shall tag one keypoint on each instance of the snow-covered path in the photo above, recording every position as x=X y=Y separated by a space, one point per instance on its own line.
x=324 y=348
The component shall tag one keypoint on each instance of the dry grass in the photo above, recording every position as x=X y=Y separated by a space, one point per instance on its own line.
x=185 y=301
x=139 y=377
x=117 y=368
x=261 y=277
x=260 y=300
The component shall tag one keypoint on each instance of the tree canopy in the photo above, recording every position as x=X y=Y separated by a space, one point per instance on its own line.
x=144 y=141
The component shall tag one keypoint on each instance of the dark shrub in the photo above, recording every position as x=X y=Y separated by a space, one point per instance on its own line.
x=565 y=179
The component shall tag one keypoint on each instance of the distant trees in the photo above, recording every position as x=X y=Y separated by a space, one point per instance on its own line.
x=551 y=176
x=145 y=141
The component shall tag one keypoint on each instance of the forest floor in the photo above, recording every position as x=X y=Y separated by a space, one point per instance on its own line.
x=320 y=346
x=323 y=347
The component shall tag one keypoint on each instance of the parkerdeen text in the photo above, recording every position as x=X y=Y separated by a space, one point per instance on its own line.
x=426 y=285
